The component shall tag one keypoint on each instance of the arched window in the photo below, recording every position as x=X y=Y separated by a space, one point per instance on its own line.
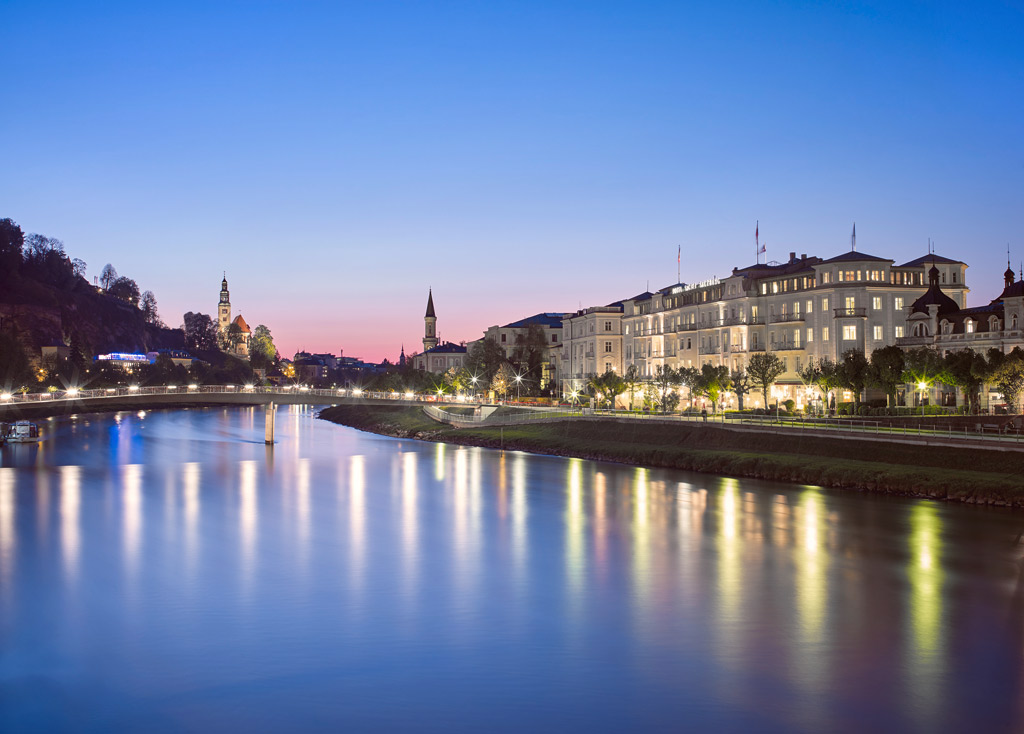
x=1014 y=321
x=968 y=326
x=921 y=329
x=946 y=327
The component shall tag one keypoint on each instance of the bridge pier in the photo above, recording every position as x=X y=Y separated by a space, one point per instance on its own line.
x=268 y=416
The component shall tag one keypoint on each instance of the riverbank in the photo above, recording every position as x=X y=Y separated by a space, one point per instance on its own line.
x=976 y=476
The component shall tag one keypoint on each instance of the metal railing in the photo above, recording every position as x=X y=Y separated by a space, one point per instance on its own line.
x=859 y=313
x=777 y=318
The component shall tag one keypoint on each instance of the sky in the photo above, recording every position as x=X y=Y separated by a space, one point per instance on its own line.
x=338 y=159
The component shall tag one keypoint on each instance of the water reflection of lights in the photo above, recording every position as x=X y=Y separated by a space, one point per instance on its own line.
x=439 y=462
x=575 y=560
x=70 y=508
x=357 y=515
x=811 y=587
x=519 y=515
x=190 y=483
x=410 y=520
x=641 y=538
x=730 y=562
x=131 y=497
x=925 y=574
x=8 y=540
x=302 y=517
x=248 y=516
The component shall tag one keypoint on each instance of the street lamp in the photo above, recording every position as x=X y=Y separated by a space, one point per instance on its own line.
x=922 y=386
x=519 y=382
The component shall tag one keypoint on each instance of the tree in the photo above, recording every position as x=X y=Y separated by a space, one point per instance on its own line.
x=1007 y=375
x=690 y=378
x=457 y=379
x=148 y=306
x=126 y=289
x=235 y=337
x=967 y=370
x=608 y=386
x=921 y=365
x=764 y=368
x=630 y=382
x=108 y=276
x=713 y=380
x=484 y=358
x=262 y=352
x=503 y=379
x=666 y=380
x=200 y=332
x=853 y=373
x=739 y=383
x=528 y=354
x=886 y=371
x=15 y=370
x=12 y=239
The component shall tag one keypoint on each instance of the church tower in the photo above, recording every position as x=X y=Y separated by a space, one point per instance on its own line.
x=224 y=309
x=430 y=324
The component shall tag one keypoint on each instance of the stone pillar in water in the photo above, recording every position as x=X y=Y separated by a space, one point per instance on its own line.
x=269 y=420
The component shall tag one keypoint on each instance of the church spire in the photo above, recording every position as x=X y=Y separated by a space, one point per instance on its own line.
x=430 y=324
x=430 y=304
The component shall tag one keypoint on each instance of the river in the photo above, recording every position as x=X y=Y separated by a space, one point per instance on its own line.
x=165 y=571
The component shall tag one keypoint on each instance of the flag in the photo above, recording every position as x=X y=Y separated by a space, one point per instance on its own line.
x=756 y=228
x=679 y=255
x=764 y=249
x=853 y=237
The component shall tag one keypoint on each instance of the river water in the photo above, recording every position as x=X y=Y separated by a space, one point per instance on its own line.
x=165 y=571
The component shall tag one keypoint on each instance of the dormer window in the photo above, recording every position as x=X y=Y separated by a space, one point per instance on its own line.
x=968 y=326
x=946 y=327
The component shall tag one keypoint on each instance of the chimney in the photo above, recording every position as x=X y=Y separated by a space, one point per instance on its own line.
x=792 y=257
x=803 y=256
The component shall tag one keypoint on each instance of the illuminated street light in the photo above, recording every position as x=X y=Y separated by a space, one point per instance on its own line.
x=133 y=388
x=6 y=396
x=72 y=392
x=192 y=387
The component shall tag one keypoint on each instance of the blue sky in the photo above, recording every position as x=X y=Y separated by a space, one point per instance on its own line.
x=339 y=158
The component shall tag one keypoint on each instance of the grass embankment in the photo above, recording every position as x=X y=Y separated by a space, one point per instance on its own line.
x=965 y=475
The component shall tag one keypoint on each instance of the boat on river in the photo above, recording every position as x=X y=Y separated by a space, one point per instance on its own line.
x=21 y=432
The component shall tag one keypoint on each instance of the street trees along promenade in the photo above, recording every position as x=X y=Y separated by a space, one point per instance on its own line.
x=764 y=369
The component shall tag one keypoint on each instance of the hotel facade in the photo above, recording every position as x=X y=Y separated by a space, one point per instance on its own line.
x=804 y=308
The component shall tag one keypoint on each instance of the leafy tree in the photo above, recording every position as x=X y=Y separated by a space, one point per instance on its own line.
x=713 y=380
x=690 y=378
x=457 y=379
x=262 y=352
x=853 y=373
x=666 y=380
x=78 y=266
x=1007 y=375
x=148 y=306
x=44 y=259
x=886 y=371
x=739 y=383
x=200 y=332
x=630 y=382
x=235 y=336
x=484 y=358
x=921 y=365
x=528 y=354
x=503 y=379
x=764 y=369
x=609 y=386
x=126 y=289
x=967 y=370
x=12 y=239
x=108 y=276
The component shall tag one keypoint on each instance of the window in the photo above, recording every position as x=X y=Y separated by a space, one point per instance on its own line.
x=850 y=332
x=824 y=304
x=810 y=306
x=824 y=333
x=969 y=326
x=796 y=338
x=502 y=338
x=876 y=303
x=943 y=277
x=607 y=346
x=554 y=338
x=954 y=276
x=810 y=335
x=897 y=303
x=899 y=332
x=627 y=329
x=607 y=325
x=850 y=303
x=607 y=366
x=878 y=333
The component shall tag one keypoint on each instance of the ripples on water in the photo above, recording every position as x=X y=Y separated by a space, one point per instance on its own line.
x=166 y=571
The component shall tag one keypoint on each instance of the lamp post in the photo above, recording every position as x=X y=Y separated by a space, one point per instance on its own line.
x=922 y=386
x=519 y=382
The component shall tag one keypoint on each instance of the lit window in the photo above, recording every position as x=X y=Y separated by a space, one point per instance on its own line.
x=878 y=333
x=898 y=303
x=824 y=304
x=850 y=332
x=824 y=333
x=969 y=326
x=810 y=335
x=810 y=306
x=899 y=332
x=876 y=303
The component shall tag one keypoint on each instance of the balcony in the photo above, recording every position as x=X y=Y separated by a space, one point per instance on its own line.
x=785 y=346
x=710 y=350
x=756 y=348
x=854 y=313
x=780 y=318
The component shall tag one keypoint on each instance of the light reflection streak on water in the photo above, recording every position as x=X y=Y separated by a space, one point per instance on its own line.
x=248 y=517
x=43 y=504
x=520 y=531
x=8 y=541
x=730 y=568
x=190 y=490
x=811 y=589
x=575 y=561
x=460 y=479
x=70 y=507
x=357 y=517
x=439 y=461
x=302 y=513
x=410 y=520
x=926 y=579
x=600 y=519
x=131 y=514
x=641 y=539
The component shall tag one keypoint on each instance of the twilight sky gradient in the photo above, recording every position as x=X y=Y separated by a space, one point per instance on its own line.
x=339 y=158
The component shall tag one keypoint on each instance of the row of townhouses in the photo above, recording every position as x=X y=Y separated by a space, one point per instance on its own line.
x=804 y=308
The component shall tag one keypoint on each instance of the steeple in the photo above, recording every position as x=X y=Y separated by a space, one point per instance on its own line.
x=430 y=324
x=1008 y=275
x=224 y=308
